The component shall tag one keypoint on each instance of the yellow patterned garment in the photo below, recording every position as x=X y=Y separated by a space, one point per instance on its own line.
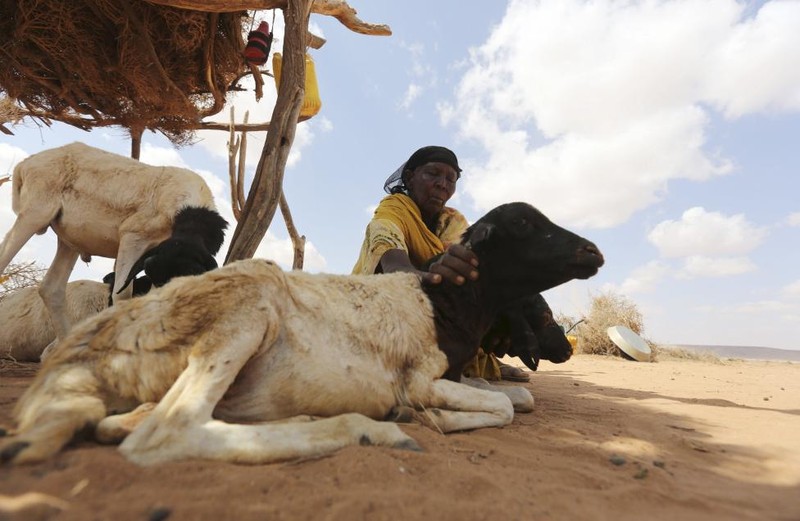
x=397 y=224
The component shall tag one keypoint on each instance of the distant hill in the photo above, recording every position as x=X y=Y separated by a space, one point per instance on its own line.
x=747 y=352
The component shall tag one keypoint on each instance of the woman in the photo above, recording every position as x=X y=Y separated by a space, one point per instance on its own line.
x=412 y=224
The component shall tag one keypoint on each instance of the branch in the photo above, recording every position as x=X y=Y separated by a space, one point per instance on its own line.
x=339 y=9
x=298 y=241
x=267 y=186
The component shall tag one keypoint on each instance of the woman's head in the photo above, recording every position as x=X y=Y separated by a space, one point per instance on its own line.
x=428 y=177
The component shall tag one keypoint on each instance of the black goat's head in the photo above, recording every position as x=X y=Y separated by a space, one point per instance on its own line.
x=201 y=223
x=197 y=235
x=172 y=258
x=522 y=252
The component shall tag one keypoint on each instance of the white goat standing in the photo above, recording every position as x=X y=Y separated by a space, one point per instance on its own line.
x=97 y=203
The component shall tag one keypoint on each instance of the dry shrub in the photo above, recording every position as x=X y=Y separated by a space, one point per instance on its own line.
x=20 y=275
x=608 y=309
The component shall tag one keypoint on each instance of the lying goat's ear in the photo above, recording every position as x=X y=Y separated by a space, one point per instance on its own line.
x=478 y=234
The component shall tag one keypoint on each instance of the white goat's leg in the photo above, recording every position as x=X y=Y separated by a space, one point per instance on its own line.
x=53 y=288
x=451 y=406
x=520 y=397
x=26 y=225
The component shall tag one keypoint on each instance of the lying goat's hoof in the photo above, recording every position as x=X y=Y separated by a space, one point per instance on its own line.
x=408 y=444
x=10 y=451
x=401 y=414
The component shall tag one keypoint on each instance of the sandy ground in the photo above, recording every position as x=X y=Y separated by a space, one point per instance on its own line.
x=610 y=439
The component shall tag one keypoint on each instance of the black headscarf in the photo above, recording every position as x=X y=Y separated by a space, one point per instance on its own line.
x=430 y=154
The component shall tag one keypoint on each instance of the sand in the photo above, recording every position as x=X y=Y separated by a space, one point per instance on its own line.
x=609 y=439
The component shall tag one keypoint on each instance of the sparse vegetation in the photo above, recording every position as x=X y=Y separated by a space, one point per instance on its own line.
x=20 y=275
x=682 y=353
x=607 y=309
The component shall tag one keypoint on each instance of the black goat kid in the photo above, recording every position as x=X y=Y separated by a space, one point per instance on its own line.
x=197 y=235
x=527 y=330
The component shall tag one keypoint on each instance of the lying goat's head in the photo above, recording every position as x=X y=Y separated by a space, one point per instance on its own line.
x=522 y=252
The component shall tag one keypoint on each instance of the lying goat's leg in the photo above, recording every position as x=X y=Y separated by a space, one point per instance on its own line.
x=520 y=397
x=272 y=442
x=115 y=428
x=170 y=431
x=51 y=411
x=452 y=406
x=181 y=425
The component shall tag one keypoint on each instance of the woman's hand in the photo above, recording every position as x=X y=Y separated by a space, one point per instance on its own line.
x=456 y=265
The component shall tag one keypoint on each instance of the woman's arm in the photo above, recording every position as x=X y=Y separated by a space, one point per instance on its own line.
x=456 y=265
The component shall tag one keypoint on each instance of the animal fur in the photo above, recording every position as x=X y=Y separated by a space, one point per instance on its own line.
x=97 y=203
x=240 y=359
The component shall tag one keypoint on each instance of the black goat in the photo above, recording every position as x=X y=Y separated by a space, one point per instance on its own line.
x=521 y=253
x=527 y=330
x=197 y=235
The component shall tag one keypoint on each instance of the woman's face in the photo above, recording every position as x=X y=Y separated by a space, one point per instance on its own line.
x=430 y=186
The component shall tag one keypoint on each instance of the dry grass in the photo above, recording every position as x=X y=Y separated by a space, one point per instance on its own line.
x=607 y=309
x=20 y=275
x=680 y=353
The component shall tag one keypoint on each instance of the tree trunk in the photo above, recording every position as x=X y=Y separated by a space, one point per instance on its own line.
x=265 y=192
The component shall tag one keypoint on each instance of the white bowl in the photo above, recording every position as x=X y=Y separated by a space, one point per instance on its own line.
x=629 y=343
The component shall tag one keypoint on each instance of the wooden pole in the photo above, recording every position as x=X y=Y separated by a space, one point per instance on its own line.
x=265 y=192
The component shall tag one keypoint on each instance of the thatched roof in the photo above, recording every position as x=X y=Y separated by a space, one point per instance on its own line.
x=119 y=62
x=161 y=65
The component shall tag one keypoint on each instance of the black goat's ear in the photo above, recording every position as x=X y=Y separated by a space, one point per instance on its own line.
x=478 y=234
x=137 y=268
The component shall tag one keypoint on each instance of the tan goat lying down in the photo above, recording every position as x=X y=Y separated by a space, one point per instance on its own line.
x=222 y=353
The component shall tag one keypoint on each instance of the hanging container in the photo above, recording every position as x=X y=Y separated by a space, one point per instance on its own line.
x=311 y=101
x=258 y=45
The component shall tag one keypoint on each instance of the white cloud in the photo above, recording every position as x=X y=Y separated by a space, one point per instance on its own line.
x=161 y=156
x=793 y=289
x=589 y=109
x=700 y=232
x=766 y=47
x=9 y=157
x=282 y=252
x=643 y=279
x=698 y=266
x=793 y=219
x=412 y=93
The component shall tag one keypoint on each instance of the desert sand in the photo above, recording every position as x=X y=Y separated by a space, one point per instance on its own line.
x=609 y=439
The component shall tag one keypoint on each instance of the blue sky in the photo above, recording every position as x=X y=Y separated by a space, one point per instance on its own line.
x=666 y=132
